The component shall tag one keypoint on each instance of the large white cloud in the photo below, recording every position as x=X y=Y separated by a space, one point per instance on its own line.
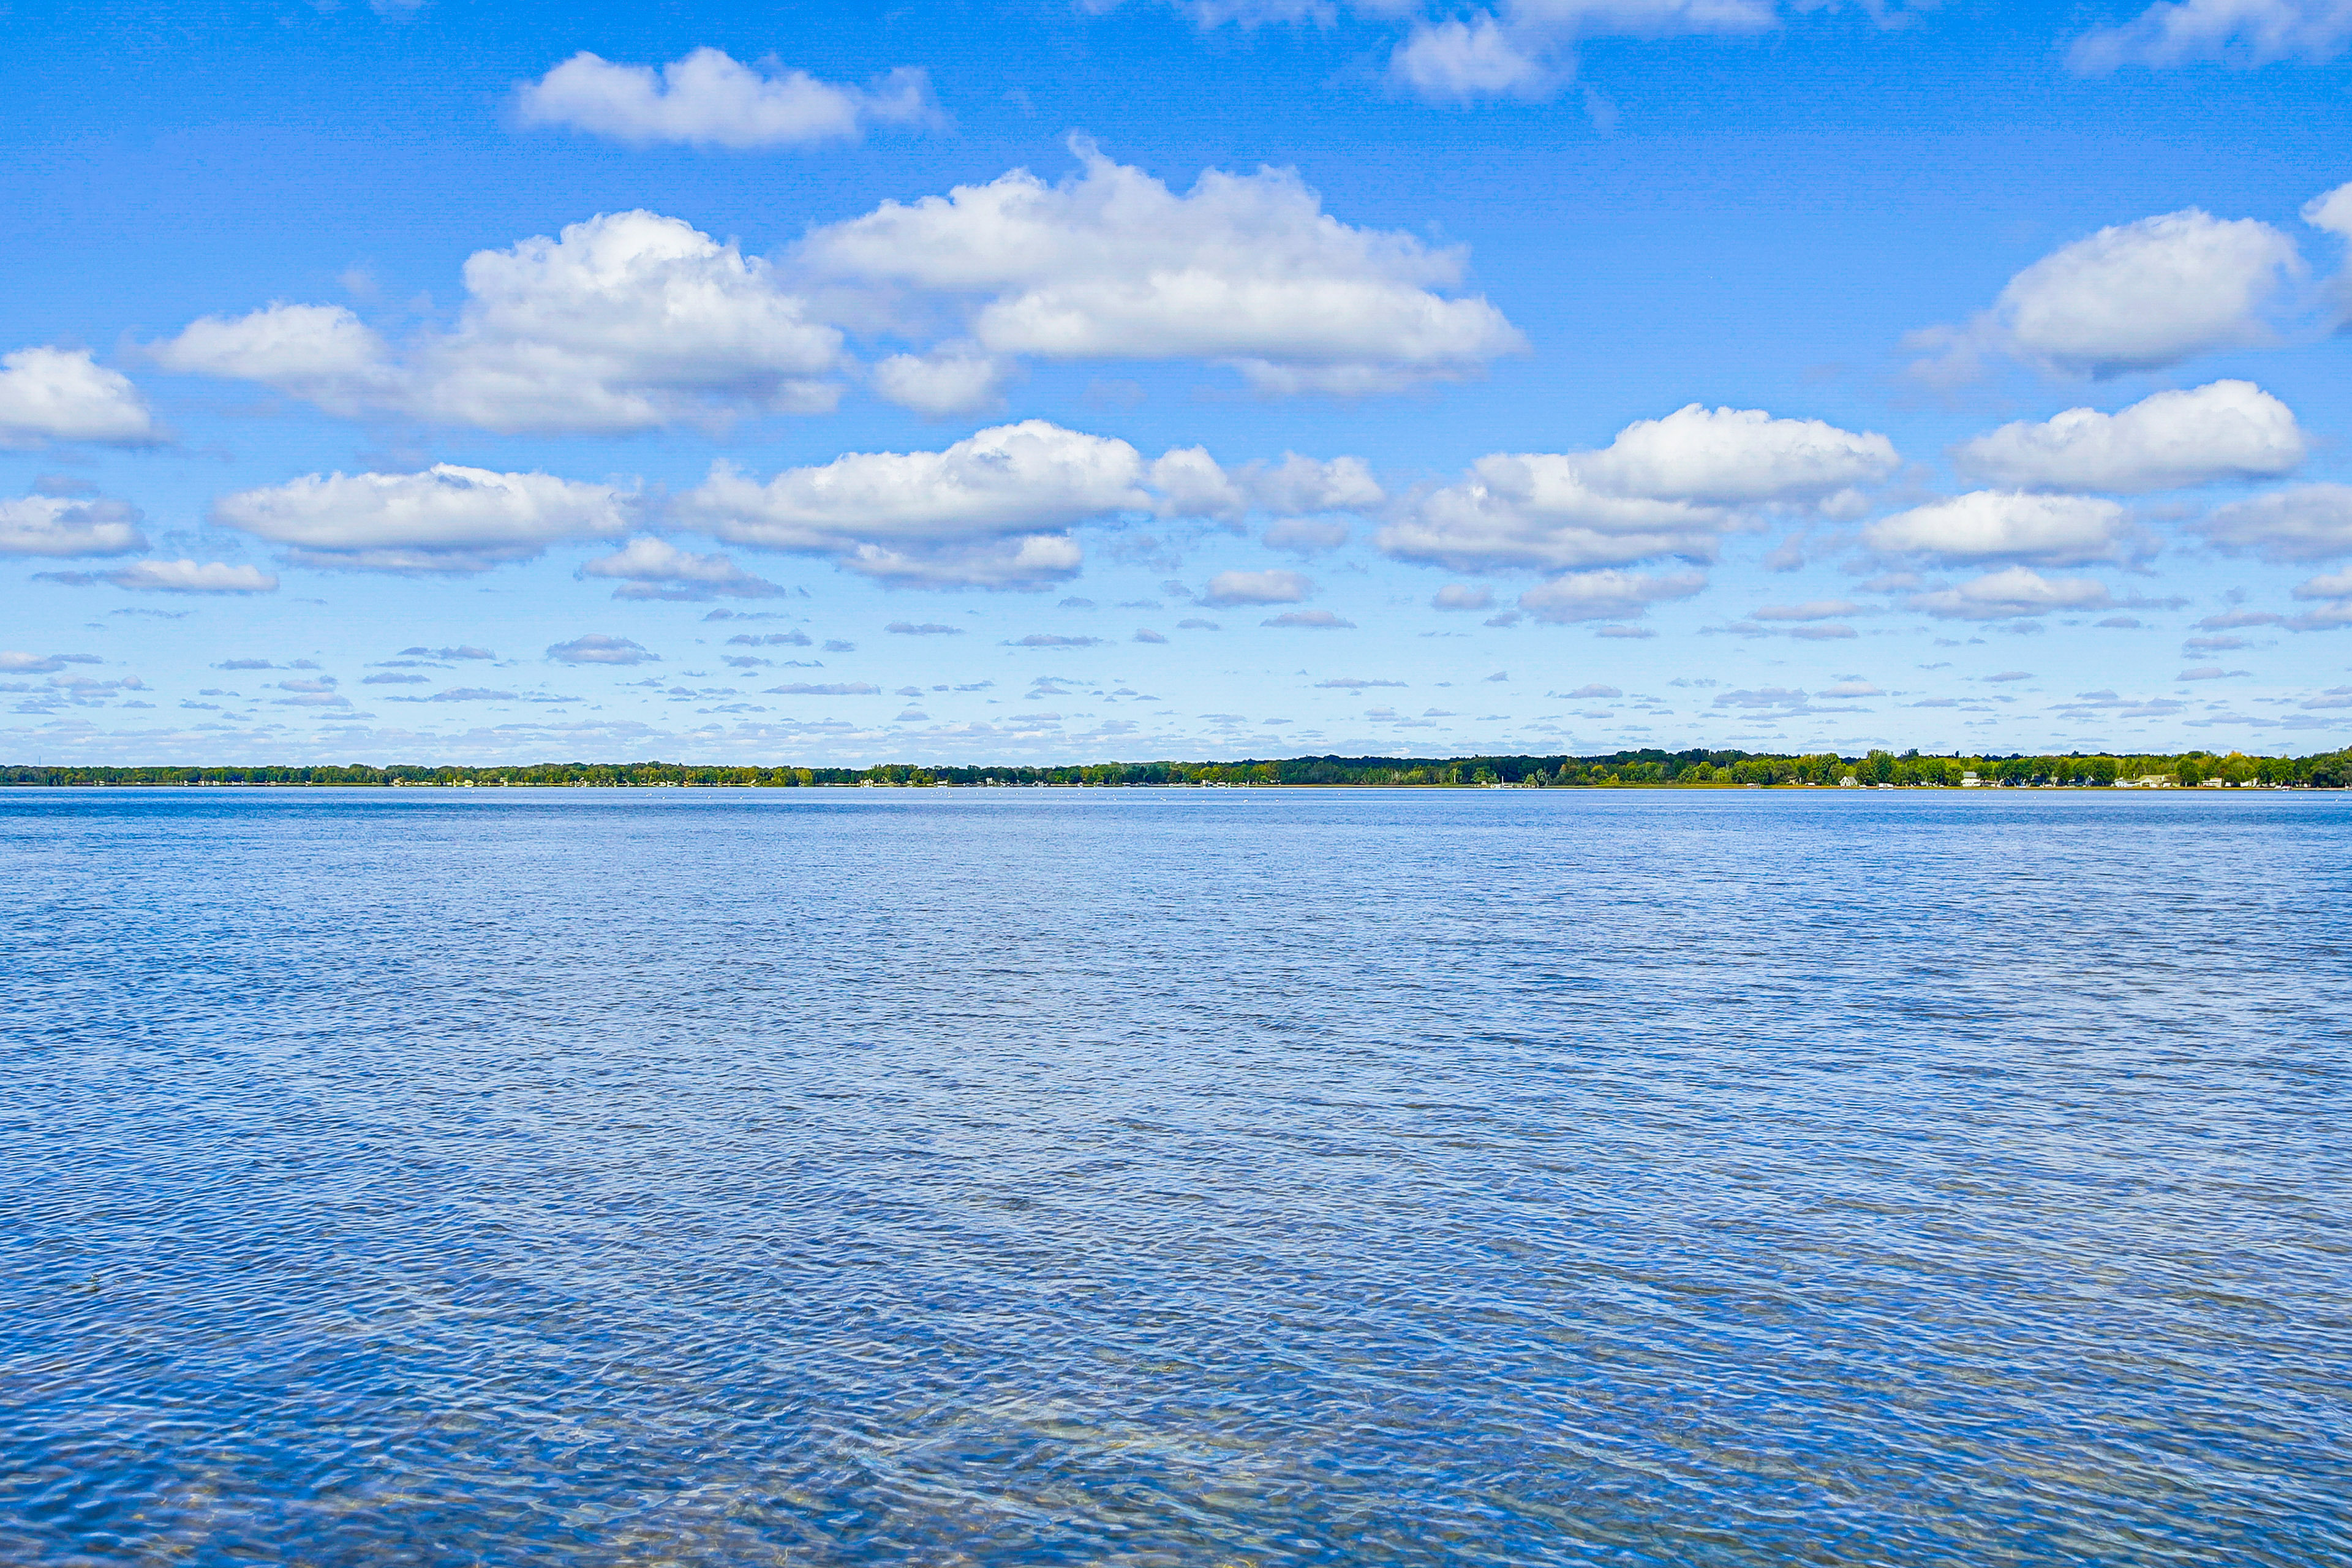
x=1534 y=510
x=708 y=98
x=2227 y=430
x=1245 y=270
x=2007 y=525
x=1607 y=595
x=994 y=510
x=2307 y=522
x=632 y=320
x=626 y=321
x=1735 y=456
x=60 y=394
x=2017 y=593
x=2245 y=32
x=2136 y=296
x=446 y=519
x=991 y=510
x=1665 y=486
x=1008 y=479
x=322 y=353
x=57 y=526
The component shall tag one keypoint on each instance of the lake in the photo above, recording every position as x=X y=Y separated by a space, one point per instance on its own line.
x=1175 y=1176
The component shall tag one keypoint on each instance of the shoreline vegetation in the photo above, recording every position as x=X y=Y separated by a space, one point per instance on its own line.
x=1616 y=770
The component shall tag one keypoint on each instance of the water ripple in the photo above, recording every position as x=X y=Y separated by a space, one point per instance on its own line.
x=1178 y=1177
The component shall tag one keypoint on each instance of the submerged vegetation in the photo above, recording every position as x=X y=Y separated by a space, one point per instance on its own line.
x=1690 y=769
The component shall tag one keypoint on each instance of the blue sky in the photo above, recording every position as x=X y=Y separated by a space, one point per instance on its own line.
x=1242 y=377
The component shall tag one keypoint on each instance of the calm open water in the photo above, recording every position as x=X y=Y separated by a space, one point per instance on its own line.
x=1173 y=1177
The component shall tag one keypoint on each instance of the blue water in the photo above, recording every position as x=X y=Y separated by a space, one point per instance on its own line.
x=1174 y=1177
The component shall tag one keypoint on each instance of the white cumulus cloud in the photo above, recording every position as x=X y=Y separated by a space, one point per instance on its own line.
x=940 y=384
x=1242 y=269
x=634 y=321
x=1734 y=457
x=320 y=353
x=2015 y=594
x=626 y=321
x=991 y=510
x=1298 y=486
x=1190 y=483
x=2136 y=296
x=61 y=394
x=707 y=98
x=656 y=569
x=2227 y=430
x=2007 y=525
x=1458 y=58
x=57 y=526
x=2332 y=211
x=446 y=519
x=2307 y=522
x=2242 y=32
x=1607 y=595
x=995 y=509
x=1665 y=486
x=1535 y=510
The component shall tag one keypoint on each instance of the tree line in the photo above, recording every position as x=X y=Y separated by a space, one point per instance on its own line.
x=1651 y=768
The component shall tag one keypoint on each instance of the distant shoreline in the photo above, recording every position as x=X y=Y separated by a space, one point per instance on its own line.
x=1695 y=769
x=2199 y=789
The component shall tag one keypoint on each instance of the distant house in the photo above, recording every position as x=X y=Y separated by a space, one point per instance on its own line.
x=1971 y=780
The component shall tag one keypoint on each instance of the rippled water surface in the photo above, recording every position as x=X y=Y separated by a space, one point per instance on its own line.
x=1174 y=1177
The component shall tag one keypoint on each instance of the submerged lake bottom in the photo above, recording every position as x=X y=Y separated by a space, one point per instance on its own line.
x=1174 y=1177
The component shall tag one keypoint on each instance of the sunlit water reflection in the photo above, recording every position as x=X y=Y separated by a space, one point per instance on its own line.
x=1177 y=1177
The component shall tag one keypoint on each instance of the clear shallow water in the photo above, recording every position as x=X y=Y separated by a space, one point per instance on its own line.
x=708 y=1178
